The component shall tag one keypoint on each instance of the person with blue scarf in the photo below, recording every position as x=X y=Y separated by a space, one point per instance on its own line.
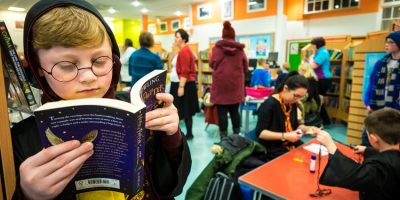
x=384 y=88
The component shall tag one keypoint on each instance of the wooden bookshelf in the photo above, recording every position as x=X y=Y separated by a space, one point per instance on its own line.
x=203 y=60
x=373 y=43
x=336 y=98
x=6 y=151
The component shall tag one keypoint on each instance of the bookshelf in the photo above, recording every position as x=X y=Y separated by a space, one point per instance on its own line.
x=374 y=42
x=335 y=97
x=7 y=175
x=163 y=53
x=204 y=70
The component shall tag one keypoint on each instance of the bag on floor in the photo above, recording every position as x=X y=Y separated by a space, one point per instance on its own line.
x=221 y=187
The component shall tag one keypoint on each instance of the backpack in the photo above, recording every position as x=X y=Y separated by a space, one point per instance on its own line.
x=221 y=187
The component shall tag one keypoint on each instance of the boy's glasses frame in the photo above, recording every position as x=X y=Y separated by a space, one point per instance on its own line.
x=108 y=63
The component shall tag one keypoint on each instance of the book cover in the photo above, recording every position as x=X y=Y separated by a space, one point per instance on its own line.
x=13 y=66
x=116 y=129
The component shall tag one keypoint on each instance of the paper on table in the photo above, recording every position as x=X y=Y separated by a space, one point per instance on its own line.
x=314 y=148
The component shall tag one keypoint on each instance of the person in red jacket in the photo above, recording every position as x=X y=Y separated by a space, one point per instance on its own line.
x=183 y=81
x=229 y=64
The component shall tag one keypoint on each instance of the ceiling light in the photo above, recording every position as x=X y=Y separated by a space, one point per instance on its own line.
x=144 y=10
x=111 y=10
x=16 y=9
x=178 y=13
x=337 y=6
x=136 y=3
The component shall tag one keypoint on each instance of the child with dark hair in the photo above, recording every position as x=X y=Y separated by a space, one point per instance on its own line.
x=278 y=127
x=127 y=51
x=378 y=177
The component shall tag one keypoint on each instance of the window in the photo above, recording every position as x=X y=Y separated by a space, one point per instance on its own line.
x=390 y=13
x=315 y=6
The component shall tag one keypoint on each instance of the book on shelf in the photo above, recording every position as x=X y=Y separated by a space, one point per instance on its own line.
x=206 y=79
x=349 y=72
x=347 y=90
x=20 y=95
x=203 y=55
x=332 y=102
x=116 y=129
x=335 y=69
x=335 y=54
x=205 y=67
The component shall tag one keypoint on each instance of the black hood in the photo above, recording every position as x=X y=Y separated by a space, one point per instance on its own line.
x=41 y=8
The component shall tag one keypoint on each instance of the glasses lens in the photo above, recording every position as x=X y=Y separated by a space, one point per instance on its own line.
x=102 y=66
x=64 y=71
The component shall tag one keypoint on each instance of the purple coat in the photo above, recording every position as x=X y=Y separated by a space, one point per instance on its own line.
x=229 y=64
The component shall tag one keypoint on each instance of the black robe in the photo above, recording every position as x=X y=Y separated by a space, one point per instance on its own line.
x=166 y=172
x=377 y=178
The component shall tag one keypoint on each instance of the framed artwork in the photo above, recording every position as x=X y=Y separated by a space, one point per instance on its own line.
x=187 y=23
x=256 y=5
x=163 y=27
x=175 y=24
x=204 y=11
x=227 y=9
x=19 y=24
x=152 y=28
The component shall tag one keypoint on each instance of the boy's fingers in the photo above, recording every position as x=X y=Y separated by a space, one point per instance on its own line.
x=52 y=152
x=167 y=98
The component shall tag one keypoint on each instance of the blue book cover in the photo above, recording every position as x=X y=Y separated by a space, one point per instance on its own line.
x=116 y=129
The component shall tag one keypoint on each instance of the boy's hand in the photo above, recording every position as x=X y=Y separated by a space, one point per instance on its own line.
x=326 y=140
x=312 y=130
x=46 y=174
x=164 y=119
x=359 y=149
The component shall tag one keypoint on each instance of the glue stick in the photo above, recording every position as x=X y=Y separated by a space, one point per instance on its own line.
x=312 y=163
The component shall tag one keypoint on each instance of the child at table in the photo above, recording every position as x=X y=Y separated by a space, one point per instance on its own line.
x=74 y=55
x=379 y=176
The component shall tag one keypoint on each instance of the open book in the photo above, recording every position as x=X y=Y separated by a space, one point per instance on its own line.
x=116 y=129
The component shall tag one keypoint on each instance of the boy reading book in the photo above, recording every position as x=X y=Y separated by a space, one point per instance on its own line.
x=65 y=35
x=379 y=176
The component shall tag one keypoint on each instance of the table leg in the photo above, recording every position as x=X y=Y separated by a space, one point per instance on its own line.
x=246 y=127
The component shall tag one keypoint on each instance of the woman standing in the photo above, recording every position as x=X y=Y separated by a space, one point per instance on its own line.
x=183 y=85
x=321 y=65
x=229 y=63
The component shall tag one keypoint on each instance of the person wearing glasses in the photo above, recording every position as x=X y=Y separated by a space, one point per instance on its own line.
x=384 y=85
x=74 y=55
x=278 y=127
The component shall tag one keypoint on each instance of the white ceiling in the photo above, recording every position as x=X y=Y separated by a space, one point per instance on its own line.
x=157 y=8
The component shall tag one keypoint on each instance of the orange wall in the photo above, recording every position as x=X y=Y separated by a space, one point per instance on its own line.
x=169 y=25
x=240 y=11
x=294 y=10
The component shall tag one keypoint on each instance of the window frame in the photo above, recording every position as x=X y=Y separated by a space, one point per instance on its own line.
x=330 y=6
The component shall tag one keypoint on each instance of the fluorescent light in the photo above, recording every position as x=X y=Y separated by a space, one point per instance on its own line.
x=16 y=9
x=144 y=10
x=111 y=10
x=178 y=13
x=136 y=3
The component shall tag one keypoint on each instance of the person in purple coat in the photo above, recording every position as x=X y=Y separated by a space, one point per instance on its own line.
x=229 y=64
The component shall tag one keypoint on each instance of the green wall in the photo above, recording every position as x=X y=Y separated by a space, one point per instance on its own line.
x=295 y=57
x=127 y=28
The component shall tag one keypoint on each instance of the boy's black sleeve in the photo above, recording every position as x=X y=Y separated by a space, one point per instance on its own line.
x=344 y=172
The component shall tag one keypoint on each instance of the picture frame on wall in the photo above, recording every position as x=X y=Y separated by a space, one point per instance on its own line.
x=152 y=28
x=227 y=9
x=175 y=24
x=186 y=23
x=163 y=27
x=256 y=5
x=204 y=11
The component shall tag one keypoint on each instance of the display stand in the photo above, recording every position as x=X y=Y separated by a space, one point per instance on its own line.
x=373 y=43
x=7 y=175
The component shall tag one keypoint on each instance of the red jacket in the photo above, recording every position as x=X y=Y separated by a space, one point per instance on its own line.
x=185 y=65
x=229 y=64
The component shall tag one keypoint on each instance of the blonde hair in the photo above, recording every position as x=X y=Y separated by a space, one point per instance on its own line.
x=68 y=27
x=286 y=66
x=261 y=61
x=308 y=70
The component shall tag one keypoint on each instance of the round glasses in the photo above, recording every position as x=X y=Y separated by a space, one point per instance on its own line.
x=66 y=71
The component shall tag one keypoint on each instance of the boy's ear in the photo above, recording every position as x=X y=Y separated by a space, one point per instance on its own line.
x=373 y=138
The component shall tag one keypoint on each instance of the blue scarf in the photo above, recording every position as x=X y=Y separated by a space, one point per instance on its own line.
x=383 y=82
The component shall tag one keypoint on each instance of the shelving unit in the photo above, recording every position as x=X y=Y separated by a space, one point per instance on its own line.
x=373 y=43
x=204 y=70
x=164 y=55
x=6 y=151
x=335 y=102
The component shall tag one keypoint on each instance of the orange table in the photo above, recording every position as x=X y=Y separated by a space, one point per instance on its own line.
x=284 y=178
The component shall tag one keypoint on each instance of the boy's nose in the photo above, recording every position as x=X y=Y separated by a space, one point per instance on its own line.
x=86 y=75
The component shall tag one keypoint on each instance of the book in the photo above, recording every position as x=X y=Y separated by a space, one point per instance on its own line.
x=116 y=129
x=20 y=95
